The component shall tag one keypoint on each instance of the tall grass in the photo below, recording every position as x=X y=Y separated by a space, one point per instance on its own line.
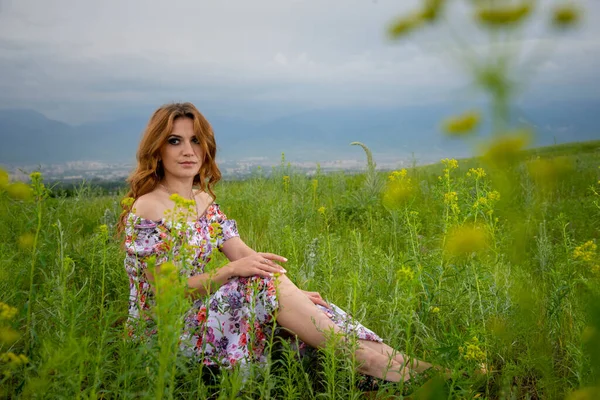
x=441 y=274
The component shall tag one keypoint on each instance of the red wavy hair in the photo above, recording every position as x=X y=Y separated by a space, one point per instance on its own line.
x=149 y=171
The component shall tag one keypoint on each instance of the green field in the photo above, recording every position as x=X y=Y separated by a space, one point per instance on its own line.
x=451 y=265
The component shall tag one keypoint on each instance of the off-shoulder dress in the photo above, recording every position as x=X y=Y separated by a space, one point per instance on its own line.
x=233 y=324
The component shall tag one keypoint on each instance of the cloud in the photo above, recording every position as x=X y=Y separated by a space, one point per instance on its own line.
x=86 y=60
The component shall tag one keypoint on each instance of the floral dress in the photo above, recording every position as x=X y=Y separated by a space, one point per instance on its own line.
x=232 y=325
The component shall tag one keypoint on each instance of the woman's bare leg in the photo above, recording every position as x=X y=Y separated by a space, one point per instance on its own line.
x=298 y=314
x=415 y=365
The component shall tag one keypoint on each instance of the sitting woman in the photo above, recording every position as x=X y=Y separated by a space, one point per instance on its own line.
x=176 y=155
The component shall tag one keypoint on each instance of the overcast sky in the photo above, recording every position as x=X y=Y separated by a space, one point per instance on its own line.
x=79 y=60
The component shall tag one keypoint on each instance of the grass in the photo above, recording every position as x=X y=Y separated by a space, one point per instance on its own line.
x=439 y=273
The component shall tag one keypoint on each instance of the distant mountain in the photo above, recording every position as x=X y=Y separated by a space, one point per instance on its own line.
x=28 y=137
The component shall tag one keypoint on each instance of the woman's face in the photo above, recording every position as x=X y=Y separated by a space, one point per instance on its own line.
x=181 y=152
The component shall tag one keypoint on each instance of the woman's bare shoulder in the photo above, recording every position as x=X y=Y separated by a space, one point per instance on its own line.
x=150 y=206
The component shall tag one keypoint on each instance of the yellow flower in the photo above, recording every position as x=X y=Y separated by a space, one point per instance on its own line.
x=503 y=16
x=26 y=241
x=103 y=229
x=472 y=351
x=450 y=163
x=397 y=194
x=19 y=191
x=462 y=125
x=127 y=202
x=585 y=252
x=432 y=9
x=406 y=24
x=504 y=149
x=7 y=312
x=405 y=273
x=14 y=360
x=321 y=210
x=435 y=310
x=397 y=175
x=477 y=172
x=493 y=196
x=465 y=240
x=450 y=197
x=8 y=336
x=565 y=16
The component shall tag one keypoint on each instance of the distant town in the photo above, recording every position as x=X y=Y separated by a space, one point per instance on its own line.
x=77 y=171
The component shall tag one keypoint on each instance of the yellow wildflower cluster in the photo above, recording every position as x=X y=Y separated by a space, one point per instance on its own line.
x=404 y=273
x=26 y=241
x=505 y=149
x=450 y=198
x=462 y=125
x=488 y=200
x=465 y=240
x=504 y=15
x=586 y=252
x=565 y=15
x=127 y=202
x=478 y=173
x=395 y=176
x=450 y=163
x=399 y=190
x=286 y=182
x=8 y=336
x=429 y=12
x=434 y=310
x=321 y=210
x=472 y=351
x=14 y=360
x=7 y=312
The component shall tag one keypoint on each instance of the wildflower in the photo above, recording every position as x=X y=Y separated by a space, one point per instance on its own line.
x=19 y=191
x=450 y=163
x=432 y=9
x=405 y=273
x=565 y=16
x=406 y=24
x=465 y=240
x=503 y=16
x=504 y=149
x=397 y=175
x=450 y=197
x=127 y=202
x=462 y=125
x=478 y=173
x=493 y=195
x=471 y=351
x=14 y=360
x=434 y=310
x=103 y=229
x=8 y=336
x=3 y=178
x=26 y=241
x=286 y=182
x=397 y=194
x=585 y=252
x=7 y=312
x=321 y=210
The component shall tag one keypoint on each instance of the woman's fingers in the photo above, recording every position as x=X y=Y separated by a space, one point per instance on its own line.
x=273 y=257
x=266 y=261
x=316 y=298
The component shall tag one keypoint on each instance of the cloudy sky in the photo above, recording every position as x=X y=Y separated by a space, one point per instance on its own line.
x=80 y=60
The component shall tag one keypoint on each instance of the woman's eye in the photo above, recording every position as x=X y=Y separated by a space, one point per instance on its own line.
x=195 y=140
x=173 y=141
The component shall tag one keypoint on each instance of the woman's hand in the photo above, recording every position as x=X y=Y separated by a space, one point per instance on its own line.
x=316 y=298
x=258 y=264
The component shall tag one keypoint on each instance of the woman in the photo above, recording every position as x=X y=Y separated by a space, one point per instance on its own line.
x=176 y=154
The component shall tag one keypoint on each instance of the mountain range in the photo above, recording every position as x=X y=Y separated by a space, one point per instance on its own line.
x=29 y=137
